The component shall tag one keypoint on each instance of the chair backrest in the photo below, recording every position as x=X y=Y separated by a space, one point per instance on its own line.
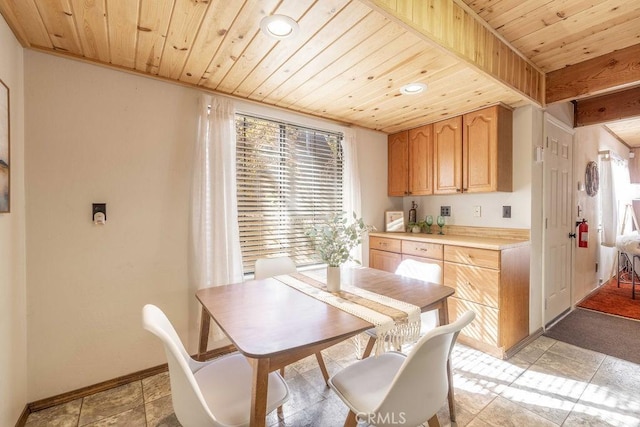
x=269 y=267
x=427 y=271
x=188 y=402
x=421 y=385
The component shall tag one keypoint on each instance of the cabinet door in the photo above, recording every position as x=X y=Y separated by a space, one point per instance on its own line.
x=487 y=150
x=387 y=261
x=447 y=152
x=421 y=161
x=398 y=163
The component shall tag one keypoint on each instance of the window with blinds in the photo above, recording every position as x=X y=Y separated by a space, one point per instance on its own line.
x=289 y=177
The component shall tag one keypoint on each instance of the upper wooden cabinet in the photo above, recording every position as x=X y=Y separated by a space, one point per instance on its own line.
x=398 y=164
x=447 y=153
x=472 y=153
x=464 y=154
x=487 y=150
x=421 y=161
x=410 y=162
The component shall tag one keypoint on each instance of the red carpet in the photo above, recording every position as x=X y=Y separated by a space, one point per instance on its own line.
x=613 y=300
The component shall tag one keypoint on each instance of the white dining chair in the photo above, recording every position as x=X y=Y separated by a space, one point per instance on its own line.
x=426 y=271
x=269 y=267
x=397 y=389
x=215 y=393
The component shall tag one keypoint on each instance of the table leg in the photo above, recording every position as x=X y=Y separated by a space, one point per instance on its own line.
x=205 y=321
x=443 y=314
x=633 y=276
x=323 y=368
x=259 y=387
x=618 y=269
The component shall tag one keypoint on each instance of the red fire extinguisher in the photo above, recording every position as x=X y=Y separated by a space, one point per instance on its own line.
x=583 y=234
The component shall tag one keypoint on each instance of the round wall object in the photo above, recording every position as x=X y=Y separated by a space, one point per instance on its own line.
x=592 y=179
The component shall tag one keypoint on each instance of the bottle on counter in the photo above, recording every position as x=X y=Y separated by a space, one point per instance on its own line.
x=413 y=212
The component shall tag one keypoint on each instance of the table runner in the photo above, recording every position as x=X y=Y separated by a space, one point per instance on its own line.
x=396 y=322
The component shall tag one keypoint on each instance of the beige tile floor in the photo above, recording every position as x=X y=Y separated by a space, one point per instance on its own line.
x=548 y=383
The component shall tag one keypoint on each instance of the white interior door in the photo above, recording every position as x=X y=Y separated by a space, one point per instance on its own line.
x=559 y=222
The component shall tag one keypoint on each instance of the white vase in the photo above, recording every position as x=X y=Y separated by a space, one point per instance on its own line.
x=333 y=279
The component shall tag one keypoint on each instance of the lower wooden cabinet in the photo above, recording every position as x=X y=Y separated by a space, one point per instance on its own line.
x=492 y=283
x=387 y=253
x=382 y=260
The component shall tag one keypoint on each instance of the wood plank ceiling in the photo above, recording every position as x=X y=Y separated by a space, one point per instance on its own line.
x=588 y=48
x=348 y=61
x=554 y=34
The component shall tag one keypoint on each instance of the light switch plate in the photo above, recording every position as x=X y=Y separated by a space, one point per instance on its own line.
x=477 y=211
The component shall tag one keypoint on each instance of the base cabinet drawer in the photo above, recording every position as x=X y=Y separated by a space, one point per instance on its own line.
x=385 y=244
x=472 y=256
x=422 y=249
x=475 y=284
x=484 y=327
x=382 y=260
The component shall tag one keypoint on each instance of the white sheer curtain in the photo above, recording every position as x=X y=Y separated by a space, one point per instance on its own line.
x=216 y=258
x=616 y=195
x=351 y=182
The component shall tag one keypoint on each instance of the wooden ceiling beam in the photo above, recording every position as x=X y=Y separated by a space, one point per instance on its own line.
x=459 y=30
x=613 y=71
x=607 y=108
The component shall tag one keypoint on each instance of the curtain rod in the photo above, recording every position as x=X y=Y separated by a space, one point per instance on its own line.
x=610 y=154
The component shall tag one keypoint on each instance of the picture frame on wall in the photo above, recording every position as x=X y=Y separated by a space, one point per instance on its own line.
x=5 y=176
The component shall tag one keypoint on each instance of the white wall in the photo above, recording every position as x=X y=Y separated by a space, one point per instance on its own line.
x=491 y=203
x=372 y=157
x=97 y=135
x=588 y=141
x=13 y=314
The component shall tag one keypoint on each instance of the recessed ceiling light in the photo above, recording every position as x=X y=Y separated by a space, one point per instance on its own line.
x=279 y=26
x=413 y=88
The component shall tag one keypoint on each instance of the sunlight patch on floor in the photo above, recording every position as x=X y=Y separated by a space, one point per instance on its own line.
x=479 y=374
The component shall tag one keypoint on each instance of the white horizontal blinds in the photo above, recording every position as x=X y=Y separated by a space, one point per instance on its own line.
x=288 y=178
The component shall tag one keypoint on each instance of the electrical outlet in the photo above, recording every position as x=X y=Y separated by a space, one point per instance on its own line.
x=506 y=212
x=445 y=210
x=477 y=211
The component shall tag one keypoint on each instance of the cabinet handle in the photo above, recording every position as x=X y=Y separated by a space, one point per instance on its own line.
x=422 y=249
x=383 y=243
x=458 y=190
x=464 y=189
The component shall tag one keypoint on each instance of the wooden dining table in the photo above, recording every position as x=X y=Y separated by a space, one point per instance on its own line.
x=274 y=325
